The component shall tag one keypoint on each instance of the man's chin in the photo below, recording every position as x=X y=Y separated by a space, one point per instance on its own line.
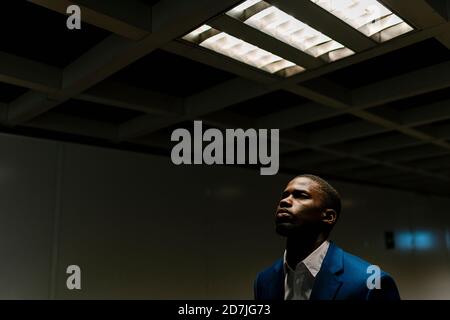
x=285 y=229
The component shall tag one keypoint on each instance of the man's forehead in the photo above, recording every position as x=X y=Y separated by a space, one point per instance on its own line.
x=303 y=183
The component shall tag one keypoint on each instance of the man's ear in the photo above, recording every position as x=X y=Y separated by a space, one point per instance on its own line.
x=329 y=216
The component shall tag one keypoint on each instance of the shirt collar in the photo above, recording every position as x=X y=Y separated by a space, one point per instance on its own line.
x=313 y=262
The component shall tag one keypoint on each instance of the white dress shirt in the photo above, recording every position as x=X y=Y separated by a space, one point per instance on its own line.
x=299 y=283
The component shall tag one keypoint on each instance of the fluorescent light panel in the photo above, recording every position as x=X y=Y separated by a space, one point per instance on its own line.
x=369 y=17
x=240 y=50
x=284 y=27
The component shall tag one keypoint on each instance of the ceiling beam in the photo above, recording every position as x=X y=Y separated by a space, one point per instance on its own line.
x=403 y=86
x=27 y=104
x=415 y=133
x=210 y=58
x=3 y=113
x=30 y=74
x=370 y=172
x=431 y=164
x=413 y=117
x=431 y=78
x=211 y=100
x=306 y=159
x=341 y=166
x=128 y=97
x=378 y=144
x=114 y=53
x=296 y=116
x=70 y=124
x=349 y=131
x=158 y=141
x=400 y=178
x=324 y=92
x=442 y=7
x=397 y=156
x=423 y=14
x=412 y=153
x=39 y=77
x=440 y=131
x=419 y=13
x=225 y=119
x=425 y=114
x=296 y=139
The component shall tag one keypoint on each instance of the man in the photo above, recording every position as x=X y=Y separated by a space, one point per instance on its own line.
x=312 y=267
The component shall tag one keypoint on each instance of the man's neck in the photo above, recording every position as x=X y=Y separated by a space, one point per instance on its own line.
x=298 y=248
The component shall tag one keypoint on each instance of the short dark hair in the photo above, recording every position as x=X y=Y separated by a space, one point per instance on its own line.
x=332 y=199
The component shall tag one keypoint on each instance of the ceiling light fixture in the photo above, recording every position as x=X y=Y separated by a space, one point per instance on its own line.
x=284 y=27
x=240 y=50
x=369 y=17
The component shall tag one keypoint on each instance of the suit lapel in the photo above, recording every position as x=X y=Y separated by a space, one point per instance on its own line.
x=278 y=287
x=327 y=282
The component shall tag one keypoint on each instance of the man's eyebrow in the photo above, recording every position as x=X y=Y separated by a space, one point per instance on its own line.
x=297 y=190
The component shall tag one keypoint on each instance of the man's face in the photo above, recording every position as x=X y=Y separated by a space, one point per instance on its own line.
x=300 y=208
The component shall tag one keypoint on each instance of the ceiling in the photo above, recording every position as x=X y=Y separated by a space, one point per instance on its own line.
x=127 y=79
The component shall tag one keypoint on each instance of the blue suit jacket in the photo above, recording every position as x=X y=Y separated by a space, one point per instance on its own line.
x=342 y=276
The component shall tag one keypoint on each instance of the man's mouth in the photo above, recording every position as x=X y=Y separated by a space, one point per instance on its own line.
x=283 y=215
x=283 y=211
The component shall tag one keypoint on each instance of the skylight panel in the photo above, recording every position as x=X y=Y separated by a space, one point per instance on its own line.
x=238 y=49
x=286 y=28
x=369 y=17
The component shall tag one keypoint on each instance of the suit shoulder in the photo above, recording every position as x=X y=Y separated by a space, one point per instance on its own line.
x=356 y=272
x=352 y=261
x=275 y=267
x=358 y=266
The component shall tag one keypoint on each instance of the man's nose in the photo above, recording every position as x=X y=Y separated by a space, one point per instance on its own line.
x=286 y=202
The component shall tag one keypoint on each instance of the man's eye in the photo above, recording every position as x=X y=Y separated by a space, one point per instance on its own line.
x=300 y=195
